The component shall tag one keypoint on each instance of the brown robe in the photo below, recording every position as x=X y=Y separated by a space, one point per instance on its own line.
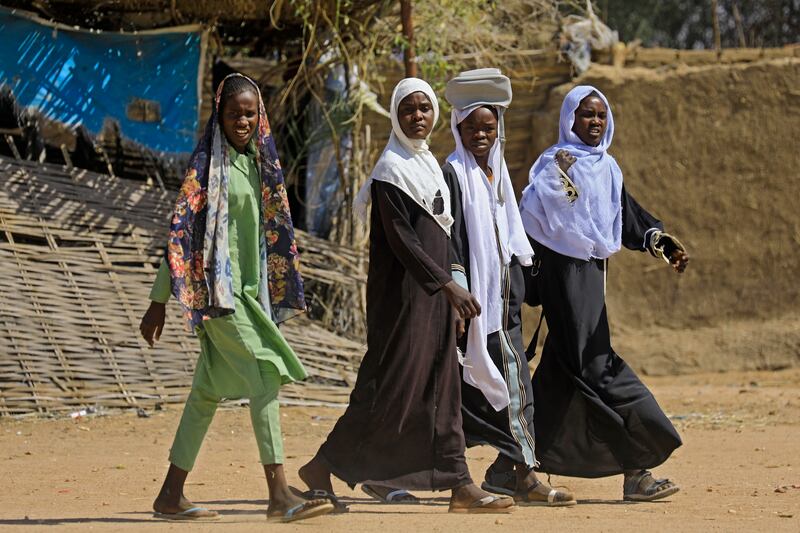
x=402 y=428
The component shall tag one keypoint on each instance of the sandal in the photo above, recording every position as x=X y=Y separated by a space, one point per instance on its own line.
x=198 y=514
x=400 y=496
x=553 y=498
x=500 y=482
x=319 y=494
x=302 y=511
x=486 y=505
x=644 y=488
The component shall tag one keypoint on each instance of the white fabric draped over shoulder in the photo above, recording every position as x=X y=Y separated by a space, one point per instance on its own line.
x=589 y=226
x=408 y=164
x=486 y=206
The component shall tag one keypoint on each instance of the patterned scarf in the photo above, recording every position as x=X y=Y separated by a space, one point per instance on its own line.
x=197 y=248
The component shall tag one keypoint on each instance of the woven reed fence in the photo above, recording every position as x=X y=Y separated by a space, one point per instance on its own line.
x=78 y=252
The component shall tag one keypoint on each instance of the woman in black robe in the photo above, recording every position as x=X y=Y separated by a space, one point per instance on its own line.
x=595 y=417
x=402 y=429
x=491 y=247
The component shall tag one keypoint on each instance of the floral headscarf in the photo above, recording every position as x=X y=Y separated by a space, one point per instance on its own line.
x=197 y=248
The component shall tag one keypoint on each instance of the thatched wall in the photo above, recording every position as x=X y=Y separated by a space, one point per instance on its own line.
x=78 y=252
x=143 y=14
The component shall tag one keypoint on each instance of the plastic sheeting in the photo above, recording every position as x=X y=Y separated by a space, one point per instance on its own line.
x=322 y=171
x=323 y=183
x=148 y=82
x=584 y=34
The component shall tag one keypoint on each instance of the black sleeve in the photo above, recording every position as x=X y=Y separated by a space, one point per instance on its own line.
x=637 y=224
x=395 y=212
x=459 y=244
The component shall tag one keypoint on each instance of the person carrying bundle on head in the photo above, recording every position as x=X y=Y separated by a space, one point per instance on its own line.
x=491 y=250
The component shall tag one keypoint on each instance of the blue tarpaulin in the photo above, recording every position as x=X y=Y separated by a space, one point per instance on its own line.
x=148 y=82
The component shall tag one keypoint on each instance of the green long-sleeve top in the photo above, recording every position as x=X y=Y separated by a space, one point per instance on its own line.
x=234 y=347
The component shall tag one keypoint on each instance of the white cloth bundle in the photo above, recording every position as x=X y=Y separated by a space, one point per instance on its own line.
x=486 y=206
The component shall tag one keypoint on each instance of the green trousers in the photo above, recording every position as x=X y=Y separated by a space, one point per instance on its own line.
x=199 y=411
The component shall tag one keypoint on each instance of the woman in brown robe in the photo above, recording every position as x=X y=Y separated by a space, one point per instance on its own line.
x=402 y=429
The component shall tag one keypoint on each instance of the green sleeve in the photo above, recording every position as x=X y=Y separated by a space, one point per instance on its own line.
x=161 y=290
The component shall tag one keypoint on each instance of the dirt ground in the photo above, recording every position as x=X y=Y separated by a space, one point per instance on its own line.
x=738 y=468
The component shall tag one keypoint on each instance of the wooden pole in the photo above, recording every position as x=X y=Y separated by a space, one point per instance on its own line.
x=408 y=33
x=715 y=25
x=737 y=16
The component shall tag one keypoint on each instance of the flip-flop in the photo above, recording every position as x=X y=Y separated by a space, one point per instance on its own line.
x=319 y=494
x=485 y=505
x=634 y=490
x=198 y=514
x=302 y=511
x=395 y=497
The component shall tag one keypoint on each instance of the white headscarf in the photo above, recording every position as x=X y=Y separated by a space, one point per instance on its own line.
x=591 y=225
x=486 y=206
x=408 y=164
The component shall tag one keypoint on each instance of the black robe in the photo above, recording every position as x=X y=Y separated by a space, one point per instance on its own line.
x=510 y=430
x=595 y=417
x=402 y=428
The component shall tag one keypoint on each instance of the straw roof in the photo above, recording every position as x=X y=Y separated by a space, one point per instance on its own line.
x=146 y=14
x=78 y=252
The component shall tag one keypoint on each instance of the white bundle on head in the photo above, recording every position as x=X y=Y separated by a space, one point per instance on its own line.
x=484 y=202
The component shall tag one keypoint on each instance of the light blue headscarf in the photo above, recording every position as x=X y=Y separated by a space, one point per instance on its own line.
x=589 y=226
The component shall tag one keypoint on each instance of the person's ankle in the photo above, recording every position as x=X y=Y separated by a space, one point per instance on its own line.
x=281 y=496
x=525 y=476
x=167 y=496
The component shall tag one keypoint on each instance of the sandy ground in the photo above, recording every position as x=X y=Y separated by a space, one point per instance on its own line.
x=738 y=467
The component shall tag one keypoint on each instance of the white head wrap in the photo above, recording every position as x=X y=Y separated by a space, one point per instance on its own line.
x=408 y=164
x=589 y=226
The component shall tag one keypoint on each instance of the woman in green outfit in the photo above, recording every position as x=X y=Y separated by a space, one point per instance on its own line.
x=232 y=264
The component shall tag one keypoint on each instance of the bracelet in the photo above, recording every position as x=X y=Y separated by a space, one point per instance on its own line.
x=658 y=243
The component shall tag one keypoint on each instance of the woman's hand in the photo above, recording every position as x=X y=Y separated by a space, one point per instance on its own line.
x=153 y=322
x=679 y=259
x=565 y=160
x=462 y=300
x=461 y=327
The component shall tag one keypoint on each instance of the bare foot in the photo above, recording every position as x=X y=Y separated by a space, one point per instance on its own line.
x=279 y=504
x=464 y=498
x=168 y=505
x=532 y=491
x=643 y=487
x=316 y=476
x=544 y=494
